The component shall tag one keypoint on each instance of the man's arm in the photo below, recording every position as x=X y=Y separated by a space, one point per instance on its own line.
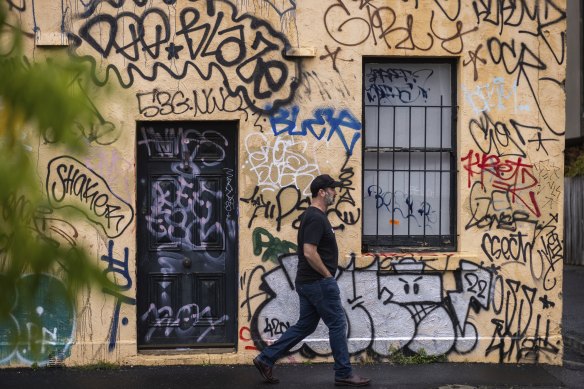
x=314 y=260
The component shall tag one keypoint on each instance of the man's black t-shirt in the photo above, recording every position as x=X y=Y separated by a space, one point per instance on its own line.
x=316 y=229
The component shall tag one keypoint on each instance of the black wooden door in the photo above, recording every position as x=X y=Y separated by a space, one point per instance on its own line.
x=187 y=234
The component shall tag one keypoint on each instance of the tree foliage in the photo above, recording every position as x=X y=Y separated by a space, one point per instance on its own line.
x=574 y=161
x=37 y=99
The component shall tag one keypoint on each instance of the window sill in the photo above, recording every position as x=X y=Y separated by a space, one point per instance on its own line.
x=430 y=261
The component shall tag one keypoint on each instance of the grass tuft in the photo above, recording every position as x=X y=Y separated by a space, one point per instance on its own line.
x=101 y=365
x=399 y=357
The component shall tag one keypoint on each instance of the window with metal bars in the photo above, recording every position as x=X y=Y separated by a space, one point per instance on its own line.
x=409 y=155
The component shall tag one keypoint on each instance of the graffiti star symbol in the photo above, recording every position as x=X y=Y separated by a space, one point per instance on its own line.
x=492 y=268
x=474 y=57
x=173 y=50
x=545 y=302
x=333 y=55
x=540 y=141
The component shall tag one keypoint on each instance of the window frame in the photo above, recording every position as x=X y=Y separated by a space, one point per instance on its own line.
x=405 y=243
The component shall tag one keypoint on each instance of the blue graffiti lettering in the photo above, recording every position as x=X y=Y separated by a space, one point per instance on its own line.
x=324 y=122
x=116 y=266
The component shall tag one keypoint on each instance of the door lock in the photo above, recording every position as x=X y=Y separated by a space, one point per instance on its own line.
x=187 y=263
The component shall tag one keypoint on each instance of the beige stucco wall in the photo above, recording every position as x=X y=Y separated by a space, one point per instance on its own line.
x=510 y=69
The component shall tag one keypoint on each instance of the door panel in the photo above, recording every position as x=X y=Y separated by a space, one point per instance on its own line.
x=187 y=234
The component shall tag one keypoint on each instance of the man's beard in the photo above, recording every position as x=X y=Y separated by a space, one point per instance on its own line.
x=329 y=200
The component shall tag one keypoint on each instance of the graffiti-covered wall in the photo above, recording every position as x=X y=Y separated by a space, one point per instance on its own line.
x=223 y=111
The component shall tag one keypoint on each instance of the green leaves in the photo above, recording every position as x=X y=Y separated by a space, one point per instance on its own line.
x=39 y=99
x=47 y=95
x=406 y=357
x=575 y=167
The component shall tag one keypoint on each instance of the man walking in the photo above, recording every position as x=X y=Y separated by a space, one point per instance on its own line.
x=317 y=288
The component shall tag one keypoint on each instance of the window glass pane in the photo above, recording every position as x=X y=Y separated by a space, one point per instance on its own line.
x=384 y=200
x=418 y=130
x=377 y=203
x=446 y=128
x=445 y=205
x=386 y=129
x=402 y=161
x=369 y=202
x=407 y=192
x=416 y=203
x=405 y=84
x=433 y=161
x=413 y=161
x=433 y=127
x=402 y=127
x=386 y=161
x=370 y=160
x=432 y=204
x=400 y=207
x=417 y=161
x=371 y=122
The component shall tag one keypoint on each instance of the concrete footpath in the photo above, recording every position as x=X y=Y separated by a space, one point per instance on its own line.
x=439 y=375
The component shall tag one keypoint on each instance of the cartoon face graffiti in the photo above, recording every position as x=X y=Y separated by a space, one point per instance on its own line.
x=413 y=288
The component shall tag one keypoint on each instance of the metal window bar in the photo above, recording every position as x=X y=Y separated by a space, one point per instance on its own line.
x=378 y=156
x=453 y=120
x=440 y=190
x=412 y=170
x=392 y=181
x=442 y=151
x=425 y=175
x=409 y=167
x=406 y=150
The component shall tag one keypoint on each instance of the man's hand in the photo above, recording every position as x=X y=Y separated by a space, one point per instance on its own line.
x=314 y=260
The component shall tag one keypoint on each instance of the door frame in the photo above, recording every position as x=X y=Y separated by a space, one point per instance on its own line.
x=232 y=285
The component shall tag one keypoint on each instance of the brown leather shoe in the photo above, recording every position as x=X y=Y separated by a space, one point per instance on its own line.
x=265 y=371
x=353 y=380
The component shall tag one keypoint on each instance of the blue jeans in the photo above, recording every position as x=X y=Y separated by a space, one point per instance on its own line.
x=319 y=299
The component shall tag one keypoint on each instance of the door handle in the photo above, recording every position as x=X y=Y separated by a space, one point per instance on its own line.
x=187 y=263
